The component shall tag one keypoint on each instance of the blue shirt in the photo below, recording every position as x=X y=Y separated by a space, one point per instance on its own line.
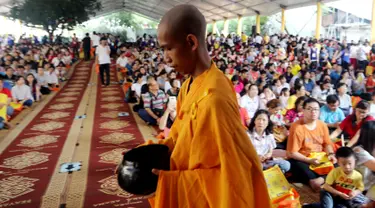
x=331 y=117
x=335 y=76
x=309 y=86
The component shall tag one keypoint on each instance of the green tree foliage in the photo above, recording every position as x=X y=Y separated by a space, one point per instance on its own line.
x=247 y=23
x=52 y=15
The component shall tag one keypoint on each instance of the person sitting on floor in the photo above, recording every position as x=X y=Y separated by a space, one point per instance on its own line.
x=344 y=185
x=345 y=99
x=330 y=113
x=3 y=90
x=121 y=63
x=9 y=76
x=3 y=114
x=21 y=93
x=260 y=134
x=295 y=113
x=34 y=86
x=52 y=80
x=42 y=79
x=306 y=136
x=154 y=104
x=352 y=123
x=280 y=132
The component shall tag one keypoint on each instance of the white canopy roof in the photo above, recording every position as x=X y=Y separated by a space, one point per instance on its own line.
x=211 y=9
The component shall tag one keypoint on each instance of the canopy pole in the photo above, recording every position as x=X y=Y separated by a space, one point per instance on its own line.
x=258 y=23
x=239 y=25
x=373 y=23
x=282 y=20
x=318 y=19
x=214 y=27
x=226 y=27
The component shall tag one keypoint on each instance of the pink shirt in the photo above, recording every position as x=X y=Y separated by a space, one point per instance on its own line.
x=239 y=87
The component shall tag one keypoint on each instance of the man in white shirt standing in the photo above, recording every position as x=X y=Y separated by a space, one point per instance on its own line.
x=258 y=40
x=102 y=58
x=361 y=56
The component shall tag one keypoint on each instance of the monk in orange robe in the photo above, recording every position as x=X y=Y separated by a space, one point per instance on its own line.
x=213 y=163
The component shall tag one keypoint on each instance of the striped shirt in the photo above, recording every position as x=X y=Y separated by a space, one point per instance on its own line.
x=155 y=101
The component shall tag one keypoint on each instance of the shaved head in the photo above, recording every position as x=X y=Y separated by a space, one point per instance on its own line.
x=183 y=20
x=181 y=34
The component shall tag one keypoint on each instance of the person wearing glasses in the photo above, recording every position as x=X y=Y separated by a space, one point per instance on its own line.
x=352 y=123
x=306 y=136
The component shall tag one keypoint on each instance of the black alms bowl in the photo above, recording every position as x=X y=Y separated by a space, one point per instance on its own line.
x=134 y=173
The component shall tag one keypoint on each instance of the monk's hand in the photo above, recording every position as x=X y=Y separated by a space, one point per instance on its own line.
x=156 y=171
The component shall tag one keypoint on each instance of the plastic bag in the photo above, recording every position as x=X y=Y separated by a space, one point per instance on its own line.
x=281 y=194
x=325 y=165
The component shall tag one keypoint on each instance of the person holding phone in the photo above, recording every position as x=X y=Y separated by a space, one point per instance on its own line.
x=103 y=59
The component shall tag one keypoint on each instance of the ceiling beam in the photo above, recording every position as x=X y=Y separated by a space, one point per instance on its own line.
x=139 y=6
x=143 y=13
x=145 y=9
x=220 y=7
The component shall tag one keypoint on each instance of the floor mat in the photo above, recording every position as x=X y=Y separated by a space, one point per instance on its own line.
x=111 y=136
x=29 y=162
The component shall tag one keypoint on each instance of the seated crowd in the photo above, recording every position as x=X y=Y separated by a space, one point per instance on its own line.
x=298 y=95
x=29 y=71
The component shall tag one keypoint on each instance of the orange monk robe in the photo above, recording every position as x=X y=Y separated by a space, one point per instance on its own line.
x=213 y=163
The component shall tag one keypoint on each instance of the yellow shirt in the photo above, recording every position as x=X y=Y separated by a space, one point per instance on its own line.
x=296 y=69
x=244 y=38
x=345 y=183
x=291 y=101
x=213 y=163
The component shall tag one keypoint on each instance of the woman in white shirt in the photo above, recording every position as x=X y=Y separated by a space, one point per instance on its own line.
x=250 y=101
x=21 y=93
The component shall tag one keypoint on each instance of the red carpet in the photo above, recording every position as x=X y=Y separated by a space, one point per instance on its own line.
x=112 y=135
x=28 y=163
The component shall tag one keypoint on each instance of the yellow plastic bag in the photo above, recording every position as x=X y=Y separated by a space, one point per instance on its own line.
x=281 y=194
x=16 y=106
x=325 y=165
x=81 y=55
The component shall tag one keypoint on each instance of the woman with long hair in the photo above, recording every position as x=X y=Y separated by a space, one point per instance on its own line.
x=34 y=86
x=352 y=123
